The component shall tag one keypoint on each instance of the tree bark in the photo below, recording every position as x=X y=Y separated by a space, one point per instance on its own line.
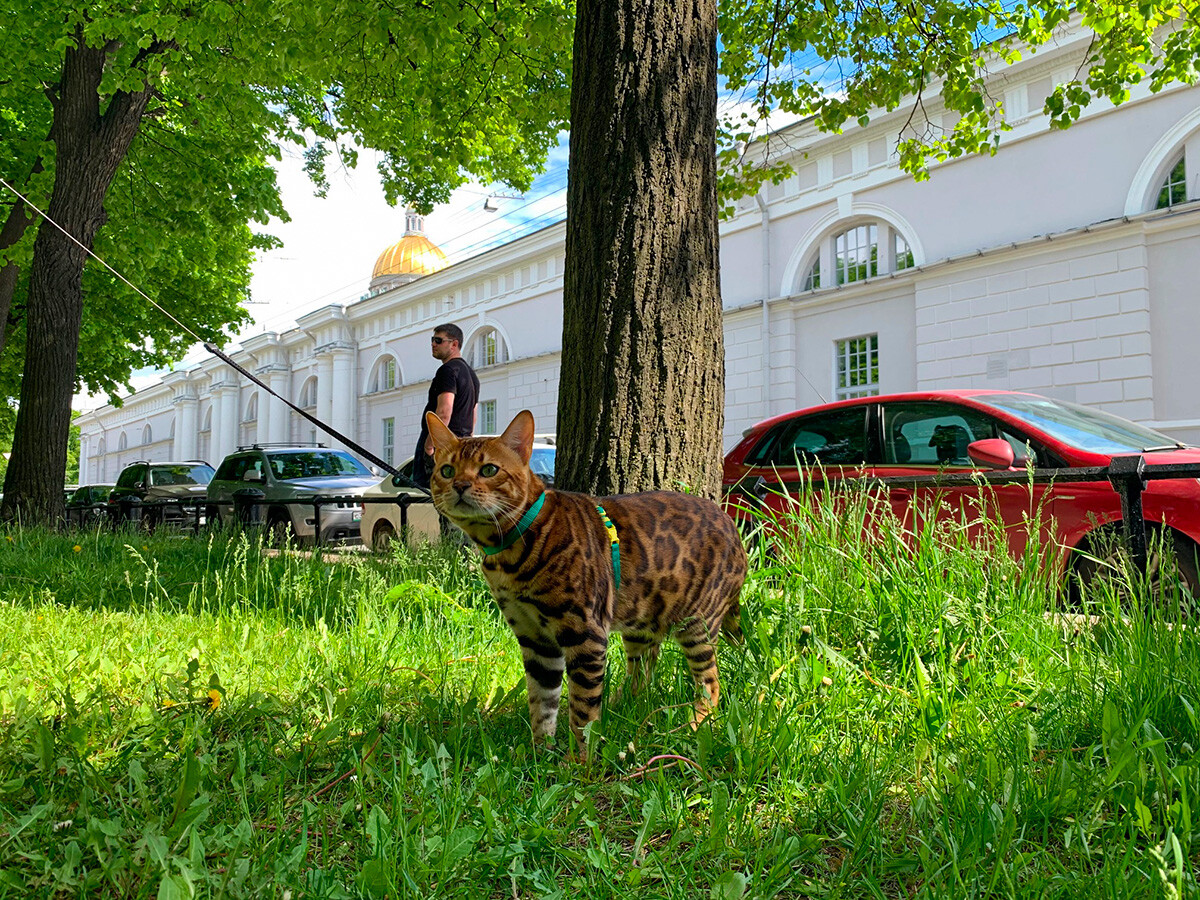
x=642 y=390
x=90 y=145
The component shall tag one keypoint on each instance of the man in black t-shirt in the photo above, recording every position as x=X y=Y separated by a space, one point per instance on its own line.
x=452 y=396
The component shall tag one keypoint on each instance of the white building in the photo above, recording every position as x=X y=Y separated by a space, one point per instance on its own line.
x=1068 y=265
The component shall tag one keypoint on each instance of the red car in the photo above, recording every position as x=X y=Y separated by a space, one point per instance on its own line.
x=928 y=432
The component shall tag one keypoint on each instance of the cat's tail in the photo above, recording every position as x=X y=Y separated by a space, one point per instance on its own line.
x=731 y=624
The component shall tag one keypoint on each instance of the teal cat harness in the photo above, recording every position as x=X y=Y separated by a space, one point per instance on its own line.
x=532 y=513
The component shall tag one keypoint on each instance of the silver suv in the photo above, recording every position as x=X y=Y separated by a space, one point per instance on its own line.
x=294 y=473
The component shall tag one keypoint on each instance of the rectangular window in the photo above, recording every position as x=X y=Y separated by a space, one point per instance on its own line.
x=489 y=349
x=856 y=367
x=389 y=440
x=487 y=417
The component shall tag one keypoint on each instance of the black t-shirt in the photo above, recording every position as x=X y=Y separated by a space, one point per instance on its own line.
x=457 y=376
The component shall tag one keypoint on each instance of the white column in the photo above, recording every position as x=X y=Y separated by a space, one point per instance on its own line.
x=272 y=413
x=215 y=453
x=186 y=428
x=279 y=378
x=85 y=452
x=224 y=421
x=324 y=393
x=231 y=420
x=342 y=388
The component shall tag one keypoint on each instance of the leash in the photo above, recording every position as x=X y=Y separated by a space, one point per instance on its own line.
x=212 y=348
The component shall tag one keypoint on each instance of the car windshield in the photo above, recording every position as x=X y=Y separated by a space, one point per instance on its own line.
x=1079 y=426
x=542 y=461
x=316 y=464
x=180 y=474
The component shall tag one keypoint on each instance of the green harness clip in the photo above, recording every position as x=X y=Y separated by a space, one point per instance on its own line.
x=614 y=541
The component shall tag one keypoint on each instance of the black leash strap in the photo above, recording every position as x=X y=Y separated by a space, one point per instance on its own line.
x=362 y=451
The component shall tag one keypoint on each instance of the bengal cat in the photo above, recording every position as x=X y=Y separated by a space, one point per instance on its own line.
x=548 y=557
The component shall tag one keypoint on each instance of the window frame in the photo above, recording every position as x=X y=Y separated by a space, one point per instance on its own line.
x=880 y=248
x=765 y=454
x=865 y=389
x=388 y=439
x=1168 y=185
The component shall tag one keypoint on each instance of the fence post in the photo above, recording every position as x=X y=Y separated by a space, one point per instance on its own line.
x=404 y=500
x=246 y=507
x=1127 y=474
x=316 y=523
x=131 y=508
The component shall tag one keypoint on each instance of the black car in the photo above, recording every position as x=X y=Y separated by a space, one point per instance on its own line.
x=86 y=505
x=169 y=492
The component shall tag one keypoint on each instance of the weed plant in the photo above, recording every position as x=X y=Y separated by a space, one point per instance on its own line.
x=906 y=717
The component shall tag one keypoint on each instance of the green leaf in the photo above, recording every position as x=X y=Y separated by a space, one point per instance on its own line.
x=730 y=886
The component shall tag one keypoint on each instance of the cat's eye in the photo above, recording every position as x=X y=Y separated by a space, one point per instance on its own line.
x=447 y=471
x=488 y=470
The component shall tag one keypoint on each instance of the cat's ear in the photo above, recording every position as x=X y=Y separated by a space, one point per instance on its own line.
x=442 y=437
x=519 y=435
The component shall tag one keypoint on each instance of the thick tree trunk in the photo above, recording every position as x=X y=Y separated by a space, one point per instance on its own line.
x=642 y=392
x=89 y=147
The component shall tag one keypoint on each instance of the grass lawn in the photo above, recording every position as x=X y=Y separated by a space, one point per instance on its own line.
x=188 y=717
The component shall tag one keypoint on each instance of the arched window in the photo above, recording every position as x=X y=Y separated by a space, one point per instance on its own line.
x=248 y=428
x=122 y=442
x=102 y=448
x=384 y=377
x=1174 y=187
x=863 y=250
x=204 y=442
x=1169 y=175
x=147 y=435
x=308 y=393
x=487 y=348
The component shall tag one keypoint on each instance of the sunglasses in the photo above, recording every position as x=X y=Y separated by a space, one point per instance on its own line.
x=439 y=340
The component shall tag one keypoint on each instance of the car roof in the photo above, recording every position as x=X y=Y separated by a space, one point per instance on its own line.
x=166 y=462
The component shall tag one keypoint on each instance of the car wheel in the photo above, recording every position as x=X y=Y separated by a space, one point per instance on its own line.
x=1101 y=566
x=280 y=533
x=383 y=537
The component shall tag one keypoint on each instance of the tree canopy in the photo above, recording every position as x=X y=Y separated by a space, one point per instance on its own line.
x=150 y=130
x=839 y=61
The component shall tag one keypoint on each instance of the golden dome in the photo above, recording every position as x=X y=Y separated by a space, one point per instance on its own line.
x=412 y=255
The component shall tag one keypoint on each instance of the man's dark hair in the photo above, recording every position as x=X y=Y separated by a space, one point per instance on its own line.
x=451 y=331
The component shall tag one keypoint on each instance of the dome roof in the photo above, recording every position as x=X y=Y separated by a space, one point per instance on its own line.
x=413 y=255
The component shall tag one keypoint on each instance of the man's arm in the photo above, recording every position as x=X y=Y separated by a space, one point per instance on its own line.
x=445 y=406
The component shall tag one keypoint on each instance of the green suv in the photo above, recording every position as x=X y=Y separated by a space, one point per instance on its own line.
x=289 y=479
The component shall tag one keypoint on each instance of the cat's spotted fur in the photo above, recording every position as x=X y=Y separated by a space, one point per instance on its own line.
x=682 y=568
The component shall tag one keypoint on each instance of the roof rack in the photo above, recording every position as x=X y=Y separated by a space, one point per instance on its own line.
x=269 y=444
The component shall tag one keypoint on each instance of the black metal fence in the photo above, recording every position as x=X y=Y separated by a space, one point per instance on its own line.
x=1128 y=476
x=245 y=510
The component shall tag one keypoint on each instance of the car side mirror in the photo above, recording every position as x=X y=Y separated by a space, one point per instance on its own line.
x=253 y=475
x=991 y=453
